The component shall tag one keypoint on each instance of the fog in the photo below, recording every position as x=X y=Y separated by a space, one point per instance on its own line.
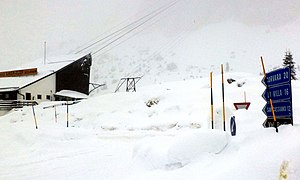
x=66 y=25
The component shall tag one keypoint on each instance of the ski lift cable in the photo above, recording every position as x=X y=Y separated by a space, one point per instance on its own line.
x=132 y=29
x=106 y=32
x=167 y=47
x=160 y=9
x=121 y=42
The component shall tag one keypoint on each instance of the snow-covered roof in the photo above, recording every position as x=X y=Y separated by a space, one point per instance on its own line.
x=52 y=65
x=71 y=94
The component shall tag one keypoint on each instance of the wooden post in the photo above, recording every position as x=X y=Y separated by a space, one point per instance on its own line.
x=269 y=94
x=223 y=111
x=211 y=102
x=36 y=126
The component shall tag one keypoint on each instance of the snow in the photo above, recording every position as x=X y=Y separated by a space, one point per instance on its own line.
x=52 y=65
x=72 y=94
x=116 y=136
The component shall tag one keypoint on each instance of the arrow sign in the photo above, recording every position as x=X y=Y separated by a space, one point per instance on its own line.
x=269 y=122
x=281 y=109
x=282 y=92
x=279 y=76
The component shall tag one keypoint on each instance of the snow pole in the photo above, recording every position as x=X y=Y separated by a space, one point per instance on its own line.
x=269 y=94
x=67 y=114
x=211 y=102
x=223 y=110
x=35 y=122
x=55 y=114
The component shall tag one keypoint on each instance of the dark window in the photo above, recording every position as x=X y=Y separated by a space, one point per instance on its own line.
x=48 y=97
x=6 y=96
x=28 y=96
x=39 y=96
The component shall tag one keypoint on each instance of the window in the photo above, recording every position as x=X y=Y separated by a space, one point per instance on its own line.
x=6 y=96
x=48 y=97
x=39 y=96
x=28 y=96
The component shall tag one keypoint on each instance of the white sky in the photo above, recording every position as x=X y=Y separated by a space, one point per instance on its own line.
x=65 y=25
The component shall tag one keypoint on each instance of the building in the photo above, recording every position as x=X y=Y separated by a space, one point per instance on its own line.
x=40 y=81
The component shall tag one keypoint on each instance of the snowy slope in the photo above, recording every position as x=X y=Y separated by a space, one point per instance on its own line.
x=184 y=42
x=116 y=136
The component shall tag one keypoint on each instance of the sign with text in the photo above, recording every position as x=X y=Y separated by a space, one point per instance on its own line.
x=276 y=77
x=278 y=88
x=281 y=109
x=18 y=73
x=281 y=92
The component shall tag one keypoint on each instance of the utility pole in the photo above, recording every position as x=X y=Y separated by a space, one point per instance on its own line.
x=45 y=51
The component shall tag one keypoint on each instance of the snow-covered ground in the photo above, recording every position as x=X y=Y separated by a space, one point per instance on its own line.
x=116 y=136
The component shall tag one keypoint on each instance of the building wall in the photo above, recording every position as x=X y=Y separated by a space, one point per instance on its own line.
x=43 y=89
x=76 y=76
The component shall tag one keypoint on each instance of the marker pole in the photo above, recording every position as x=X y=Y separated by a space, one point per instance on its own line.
x=223 y=97
x=35 y=122
x=55 y=114
x=269 y=94
x=211 y=102
x=67 y=114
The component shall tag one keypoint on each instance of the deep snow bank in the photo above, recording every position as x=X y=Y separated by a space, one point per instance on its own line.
x=176 y=152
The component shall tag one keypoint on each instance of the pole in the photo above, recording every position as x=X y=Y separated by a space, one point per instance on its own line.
x=269 y=94
x=67 y=114
x=55 y=114
x=45 y=49
x=211 y=102
x=223 y=112
x=35 y=122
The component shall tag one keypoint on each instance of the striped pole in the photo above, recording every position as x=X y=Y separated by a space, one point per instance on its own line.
x=269 y=94
x=36 y=126
x=223 y=112
x=211 y=102
x=67 y=114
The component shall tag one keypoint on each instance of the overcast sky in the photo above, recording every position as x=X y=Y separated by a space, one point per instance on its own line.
x=67 y=24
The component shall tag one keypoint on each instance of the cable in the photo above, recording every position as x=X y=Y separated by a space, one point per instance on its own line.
x=139 y=25
x=159 y=10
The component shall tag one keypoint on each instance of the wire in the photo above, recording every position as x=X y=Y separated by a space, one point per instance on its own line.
x=155 y=12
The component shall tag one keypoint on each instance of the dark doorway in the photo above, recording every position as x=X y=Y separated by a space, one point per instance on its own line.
x=28 y=96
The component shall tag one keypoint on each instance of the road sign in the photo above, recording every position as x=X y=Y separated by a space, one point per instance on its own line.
x=276 y=77
x=278 y=86
x=269 y=122
x=281 y=109
x=278 y=93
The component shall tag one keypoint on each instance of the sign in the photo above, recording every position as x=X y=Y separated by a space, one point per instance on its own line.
x=242 y=105
x=269 y=122
x=17 y=73
x=278 y=87
x=281 y=109
x=281 y=92
x=279 y=76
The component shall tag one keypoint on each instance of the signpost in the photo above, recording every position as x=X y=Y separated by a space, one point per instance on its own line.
x=279 y=92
